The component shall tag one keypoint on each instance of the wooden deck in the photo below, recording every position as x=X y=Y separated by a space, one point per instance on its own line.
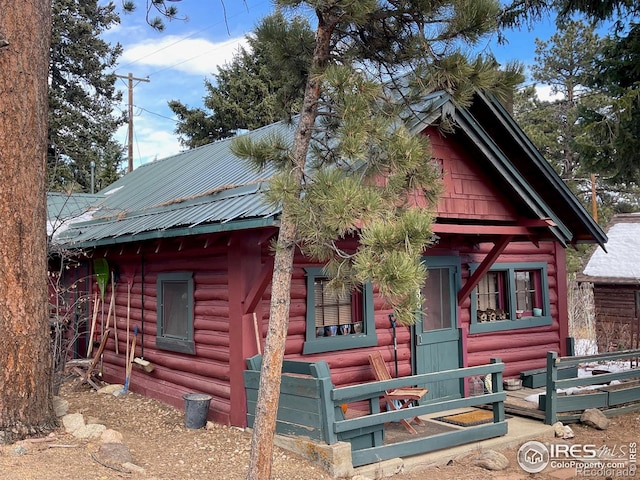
x=515 y=404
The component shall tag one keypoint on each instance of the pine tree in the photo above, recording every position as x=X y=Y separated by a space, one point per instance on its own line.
x=614 y=133
x=354 y=169
x=564 y=129
x=26 y=394
x=565 y=62
x=253 y=90
x=82 y=94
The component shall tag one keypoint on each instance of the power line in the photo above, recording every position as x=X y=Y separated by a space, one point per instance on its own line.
x=174 y=120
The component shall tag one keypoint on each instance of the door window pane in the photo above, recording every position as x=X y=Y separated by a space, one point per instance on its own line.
x=436 y=306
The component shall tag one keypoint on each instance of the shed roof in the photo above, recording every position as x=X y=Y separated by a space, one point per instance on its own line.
x=64 y=209
x=208 y=189
x=620 y=263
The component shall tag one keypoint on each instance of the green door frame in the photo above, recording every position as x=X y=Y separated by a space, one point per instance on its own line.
x=441 y=348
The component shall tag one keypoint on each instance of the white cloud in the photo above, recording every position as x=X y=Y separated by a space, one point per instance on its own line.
x=196 y=56
x=152 y=144
x=544 y=93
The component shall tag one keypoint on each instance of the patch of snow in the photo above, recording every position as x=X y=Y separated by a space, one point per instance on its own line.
x=585 y=346
x=533 y=398
x=56 y=226
x=623 y=257
x=114 y=190
x=586 y=370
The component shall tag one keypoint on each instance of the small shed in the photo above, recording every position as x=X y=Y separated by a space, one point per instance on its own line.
x=615 y=275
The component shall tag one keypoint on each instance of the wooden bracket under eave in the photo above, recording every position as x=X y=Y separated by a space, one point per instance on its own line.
x=484 y=267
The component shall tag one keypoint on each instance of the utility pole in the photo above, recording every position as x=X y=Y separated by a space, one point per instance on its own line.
x=130 y=79
x=594 y=204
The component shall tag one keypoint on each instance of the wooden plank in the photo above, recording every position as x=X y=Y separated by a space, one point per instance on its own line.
x=538 y=379
x=306 y=419
x=604 y=378
x=291 y=402
x=427 y=444
x=623 y=395
x=297 y=367
x=524 y=412
x=482 y=229
x=283 y=428
x=569 y=403
x=397 y=415
x=367 y=390
x=483 y=268
x=303 y=386
x=364 y=437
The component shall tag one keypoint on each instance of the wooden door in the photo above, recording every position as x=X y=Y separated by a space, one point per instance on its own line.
x=437 y=336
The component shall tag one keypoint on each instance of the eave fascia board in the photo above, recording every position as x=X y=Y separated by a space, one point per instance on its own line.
x=530 y=149
x=500 y=161
x=180 y=232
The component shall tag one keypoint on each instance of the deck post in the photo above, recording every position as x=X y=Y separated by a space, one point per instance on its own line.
x=321 y=371
x=496 y=383
x=551 y=403
x=571 y=347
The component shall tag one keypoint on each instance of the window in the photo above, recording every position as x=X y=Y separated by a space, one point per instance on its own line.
x=175 y=312
x=511 y=296
x=334 y=321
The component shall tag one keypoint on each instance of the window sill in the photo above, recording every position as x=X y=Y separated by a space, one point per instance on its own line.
x=176 y=345
x=502 y=325
x=331 y=344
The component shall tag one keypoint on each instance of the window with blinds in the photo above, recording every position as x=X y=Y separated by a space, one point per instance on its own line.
x=332 y=308
x=337 y=321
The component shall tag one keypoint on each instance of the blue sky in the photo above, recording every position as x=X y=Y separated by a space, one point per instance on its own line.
x=177 y=61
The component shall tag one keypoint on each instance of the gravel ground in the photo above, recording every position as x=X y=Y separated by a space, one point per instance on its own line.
x=163 y=448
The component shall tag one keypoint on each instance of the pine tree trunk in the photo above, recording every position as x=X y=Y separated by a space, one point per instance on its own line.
x=271 y=372
x=26 y=398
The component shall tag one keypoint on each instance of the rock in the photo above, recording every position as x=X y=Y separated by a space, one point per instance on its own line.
x=60 y=406
x=72 y=422
x=210 y=425
x=491 y=460
x=20 y=450
x=563 y=431
x=594 y=418
x=558 y=429
x=132 y=467
x=114 y=453
x=93 y=430
x=111 y=436
x=110 y=389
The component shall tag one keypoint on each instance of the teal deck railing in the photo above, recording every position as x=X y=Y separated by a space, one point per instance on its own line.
x=612 y=399
x=310 y=406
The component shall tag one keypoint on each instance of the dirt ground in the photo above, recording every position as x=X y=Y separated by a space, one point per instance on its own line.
x=163 y=448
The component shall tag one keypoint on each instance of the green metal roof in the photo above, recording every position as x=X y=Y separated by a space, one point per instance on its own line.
x=64 y=209
x=203 y=186
x=208 y=189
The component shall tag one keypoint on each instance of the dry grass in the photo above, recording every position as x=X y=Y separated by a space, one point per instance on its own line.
x=582 y=315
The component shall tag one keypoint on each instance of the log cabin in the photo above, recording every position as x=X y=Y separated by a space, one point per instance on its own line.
x=615 y=276
x=187 y=243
